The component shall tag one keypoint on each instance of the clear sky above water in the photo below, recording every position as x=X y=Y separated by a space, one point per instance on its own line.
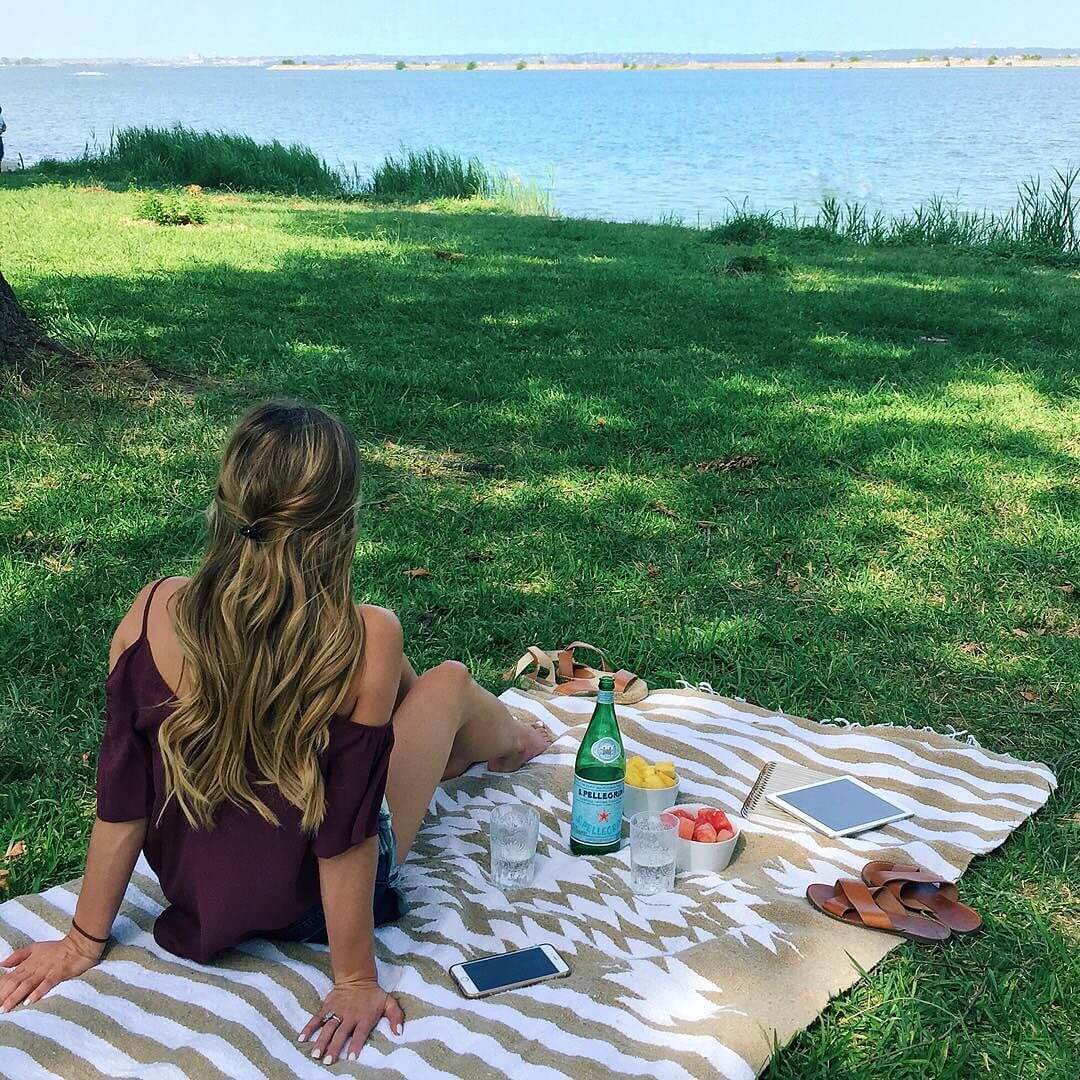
x=165 y=28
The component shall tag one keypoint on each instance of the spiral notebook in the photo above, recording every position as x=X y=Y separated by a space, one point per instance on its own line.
x=779 y=776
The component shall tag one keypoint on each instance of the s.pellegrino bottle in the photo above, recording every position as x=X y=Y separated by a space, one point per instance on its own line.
x=599 y=777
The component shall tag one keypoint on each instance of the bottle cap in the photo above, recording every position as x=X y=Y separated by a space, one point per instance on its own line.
x=607 y=682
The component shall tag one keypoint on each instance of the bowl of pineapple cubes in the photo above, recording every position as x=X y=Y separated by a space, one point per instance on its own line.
x=649 y=787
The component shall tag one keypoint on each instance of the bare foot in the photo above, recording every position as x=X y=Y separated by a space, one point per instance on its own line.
x=535 y=738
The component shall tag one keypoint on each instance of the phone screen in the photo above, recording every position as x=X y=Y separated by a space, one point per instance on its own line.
x=509 y=968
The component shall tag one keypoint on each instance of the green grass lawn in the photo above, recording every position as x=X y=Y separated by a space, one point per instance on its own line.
x=586 y=430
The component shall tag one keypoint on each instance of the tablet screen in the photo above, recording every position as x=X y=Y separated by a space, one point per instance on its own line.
x=840 y=805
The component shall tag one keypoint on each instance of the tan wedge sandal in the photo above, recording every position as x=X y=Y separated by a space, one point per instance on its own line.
x=560 y=675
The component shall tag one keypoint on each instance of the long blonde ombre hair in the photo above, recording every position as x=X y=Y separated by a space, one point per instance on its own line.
x=271 y=637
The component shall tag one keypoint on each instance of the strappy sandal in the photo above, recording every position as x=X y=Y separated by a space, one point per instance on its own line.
x=850 y=901
x=536 y=668
x=580 y=680
x=560 y=674
x=924 y=891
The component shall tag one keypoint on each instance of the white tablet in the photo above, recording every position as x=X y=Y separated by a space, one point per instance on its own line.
x=839 y=807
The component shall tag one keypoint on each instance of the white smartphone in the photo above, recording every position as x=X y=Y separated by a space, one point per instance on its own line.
x=509 y=971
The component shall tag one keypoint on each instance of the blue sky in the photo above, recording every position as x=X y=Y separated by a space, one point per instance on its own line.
x=153 y=28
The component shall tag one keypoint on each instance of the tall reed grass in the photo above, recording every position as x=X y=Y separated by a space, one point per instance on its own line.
x=179 y=156
x=427 y=175
x=1044 y=218
x=421 y=175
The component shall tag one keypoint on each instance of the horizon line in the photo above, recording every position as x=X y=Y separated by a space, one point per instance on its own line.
x=539 y=54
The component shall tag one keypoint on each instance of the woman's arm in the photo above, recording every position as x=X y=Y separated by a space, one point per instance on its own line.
x=110 y=859
x=36 y=969
x=347 y=880
x=347 y=883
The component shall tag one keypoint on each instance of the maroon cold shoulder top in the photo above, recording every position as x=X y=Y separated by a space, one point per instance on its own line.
x=244 y=877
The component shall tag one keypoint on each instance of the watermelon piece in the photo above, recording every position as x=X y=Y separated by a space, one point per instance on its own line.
x=705 y=834
x=679 y=812
x=724 y=834
x=724 y=822
x=686 y=827
x=713 y=817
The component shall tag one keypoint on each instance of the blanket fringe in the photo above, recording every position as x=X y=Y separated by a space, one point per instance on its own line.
x=704 y=688
x=842 y=721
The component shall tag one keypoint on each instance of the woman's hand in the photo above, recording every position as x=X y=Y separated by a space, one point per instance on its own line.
x=37 y=968
x=361 y=1005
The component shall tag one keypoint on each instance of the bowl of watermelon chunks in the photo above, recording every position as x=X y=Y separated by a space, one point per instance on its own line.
x=707 y=838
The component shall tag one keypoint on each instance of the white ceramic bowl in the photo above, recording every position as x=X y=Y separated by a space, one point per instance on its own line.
x=698 y=858
x=655 y=800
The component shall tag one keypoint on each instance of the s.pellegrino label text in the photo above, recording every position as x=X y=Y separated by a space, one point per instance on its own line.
x=596 y=819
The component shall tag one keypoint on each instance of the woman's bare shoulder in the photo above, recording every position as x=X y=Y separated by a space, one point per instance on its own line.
x=381 y=625
x=376 y=684
x=130 y=626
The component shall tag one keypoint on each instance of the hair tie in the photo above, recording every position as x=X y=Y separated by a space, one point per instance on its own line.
x=249 y=531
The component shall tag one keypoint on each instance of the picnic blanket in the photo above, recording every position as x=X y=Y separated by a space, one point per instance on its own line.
x=697 y=984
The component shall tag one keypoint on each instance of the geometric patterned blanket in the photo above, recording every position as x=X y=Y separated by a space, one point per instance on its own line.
x=701 y=983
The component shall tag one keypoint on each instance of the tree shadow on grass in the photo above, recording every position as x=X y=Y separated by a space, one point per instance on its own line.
x=693 y=468
x=767 y=483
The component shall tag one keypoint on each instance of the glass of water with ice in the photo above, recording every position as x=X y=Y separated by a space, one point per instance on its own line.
x=654 y=841
x=514 y=831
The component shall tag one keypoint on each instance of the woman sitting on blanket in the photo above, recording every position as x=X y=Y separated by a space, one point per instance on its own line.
x=263 y=731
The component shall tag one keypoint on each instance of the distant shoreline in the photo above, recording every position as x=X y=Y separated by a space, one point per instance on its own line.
x=693 y=65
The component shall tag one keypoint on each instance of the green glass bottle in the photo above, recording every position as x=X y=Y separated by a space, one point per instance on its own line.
x=599 y=777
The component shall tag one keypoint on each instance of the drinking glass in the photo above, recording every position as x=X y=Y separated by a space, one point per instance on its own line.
x=654 y=841
x=514 y=831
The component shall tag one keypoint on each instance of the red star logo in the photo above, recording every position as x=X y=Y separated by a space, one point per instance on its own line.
x=603 y=815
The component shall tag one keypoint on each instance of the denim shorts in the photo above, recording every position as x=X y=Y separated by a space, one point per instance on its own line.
x=388 y=904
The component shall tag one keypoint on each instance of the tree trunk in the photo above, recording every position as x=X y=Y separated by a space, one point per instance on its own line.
x=20 y=337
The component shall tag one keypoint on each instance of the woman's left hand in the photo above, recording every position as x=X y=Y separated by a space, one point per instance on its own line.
x=360 y=1005
x=37 y=968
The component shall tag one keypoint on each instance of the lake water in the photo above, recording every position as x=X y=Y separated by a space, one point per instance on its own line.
x=622 y=145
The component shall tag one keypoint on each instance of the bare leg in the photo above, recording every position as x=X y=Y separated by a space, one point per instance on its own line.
x=445 y=721
x=457 y=762
x=408 y=681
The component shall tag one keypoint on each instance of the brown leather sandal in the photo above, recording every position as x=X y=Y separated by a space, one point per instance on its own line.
x=924 y=891
x=851 y=902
